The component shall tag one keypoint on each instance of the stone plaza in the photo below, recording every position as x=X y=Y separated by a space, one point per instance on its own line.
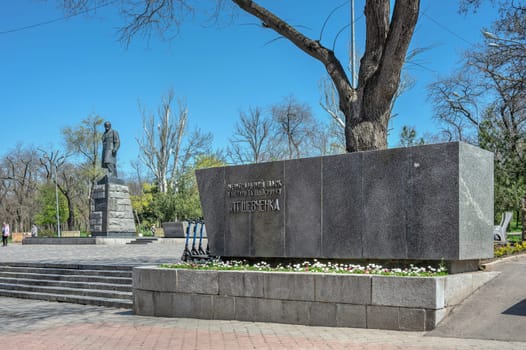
x=480 y=322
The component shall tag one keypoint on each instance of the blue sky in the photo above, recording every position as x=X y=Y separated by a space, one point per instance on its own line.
x=55 y=75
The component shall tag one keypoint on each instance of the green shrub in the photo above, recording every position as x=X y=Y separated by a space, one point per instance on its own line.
x=47 y=233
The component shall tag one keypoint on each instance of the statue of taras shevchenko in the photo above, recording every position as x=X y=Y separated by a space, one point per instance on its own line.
x=110 y=146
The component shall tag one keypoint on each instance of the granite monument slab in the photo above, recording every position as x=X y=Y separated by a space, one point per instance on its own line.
x=427 y=202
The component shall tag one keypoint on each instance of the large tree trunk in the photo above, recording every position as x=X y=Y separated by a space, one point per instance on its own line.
x=71 y=216
x=367 y=108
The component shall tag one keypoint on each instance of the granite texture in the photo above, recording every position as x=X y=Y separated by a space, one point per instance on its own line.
x=354 y=289
x=197 y=282
x=475 y=202
x=428 y=202
x=173 y=229
x=385 y=175
x=111 y=213
x=258 y=233
x=342 y=198
x=237 y=283
x=211 y=185
x=421 y=292
x=433 y=204
x=350 y=315
x=303 y=207
x=334 y=300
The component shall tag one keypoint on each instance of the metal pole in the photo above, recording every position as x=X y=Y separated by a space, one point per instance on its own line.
x=353 y=52
x=56 y=200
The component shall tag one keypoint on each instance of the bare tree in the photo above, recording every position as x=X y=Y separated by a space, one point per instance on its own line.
x=84 y=141
x=165 y=146
x=77 y=194
x=455 y=106
x=367 y=107
x=135 y=182
x=56 y=168
x=19 y=178
x=492 y=80
x=291 y=132
x=195 y=144
x=326 y=139
x=329 y=102
x=161 y=141
x=251 y=140
x=293 y=122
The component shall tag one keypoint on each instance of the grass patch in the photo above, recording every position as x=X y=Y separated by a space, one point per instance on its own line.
x=515 y=237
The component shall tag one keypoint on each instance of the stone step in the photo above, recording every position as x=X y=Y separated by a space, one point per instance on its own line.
x=85 y=300
x=143 y=241
x=74 y=283
x=67 y=284
x=67 y=271
x=71 y=266
x=68 y=278
x=108 y=294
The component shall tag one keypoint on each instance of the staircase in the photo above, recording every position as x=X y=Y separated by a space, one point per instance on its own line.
x=143 y=240
x=81 y=284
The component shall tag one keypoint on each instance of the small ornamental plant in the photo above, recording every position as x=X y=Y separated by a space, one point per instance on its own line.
x=314 y=266
x=509 y=249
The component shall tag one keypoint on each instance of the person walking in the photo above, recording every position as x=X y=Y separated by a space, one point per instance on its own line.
x=5 y=234
x=34 y=231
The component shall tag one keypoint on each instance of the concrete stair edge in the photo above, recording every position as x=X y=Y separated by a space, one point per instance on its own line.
x=69 y=266
x=98 y=293
x=117 y=303
x=66 y=271
x=68 y=284
x=66 y=278
x=90 y=284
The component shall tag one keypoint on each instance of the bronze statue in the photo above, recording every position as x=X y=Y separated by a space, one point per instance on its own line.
x=110 y=146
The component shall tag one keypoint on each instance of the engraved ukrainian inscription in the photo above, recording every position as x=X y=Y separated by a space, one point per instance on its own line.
x=255 y=196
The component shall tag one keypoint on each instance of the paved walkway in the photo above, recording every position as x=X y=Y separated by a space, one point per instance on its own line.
x=126 y=254
x=31 y=324
x=495 y=311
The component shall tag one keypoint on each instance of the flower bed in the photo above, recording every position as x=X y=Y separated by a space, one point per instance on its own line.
x=315 y=266
x=509 y=249
x=324 y=299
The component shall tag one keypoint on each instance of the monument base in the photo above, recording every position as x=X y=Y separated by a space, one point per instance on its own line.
x=173 y=229
x=111 y=212
x=314 y=299
x=110 y=179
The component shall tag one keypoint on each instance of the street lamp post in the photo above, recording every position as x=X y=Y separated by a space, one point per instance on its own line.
x=56 y=201
x=353 y=51
x=53 y=162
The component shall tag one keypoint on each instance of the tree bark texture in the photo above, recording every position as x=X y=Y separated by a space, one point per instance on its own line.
x=367 y=107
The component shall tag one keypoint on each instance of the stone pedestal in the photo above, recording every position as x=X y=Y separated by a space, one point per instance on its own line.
x=430 y=202
x=111 y=213
x=173 y=229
